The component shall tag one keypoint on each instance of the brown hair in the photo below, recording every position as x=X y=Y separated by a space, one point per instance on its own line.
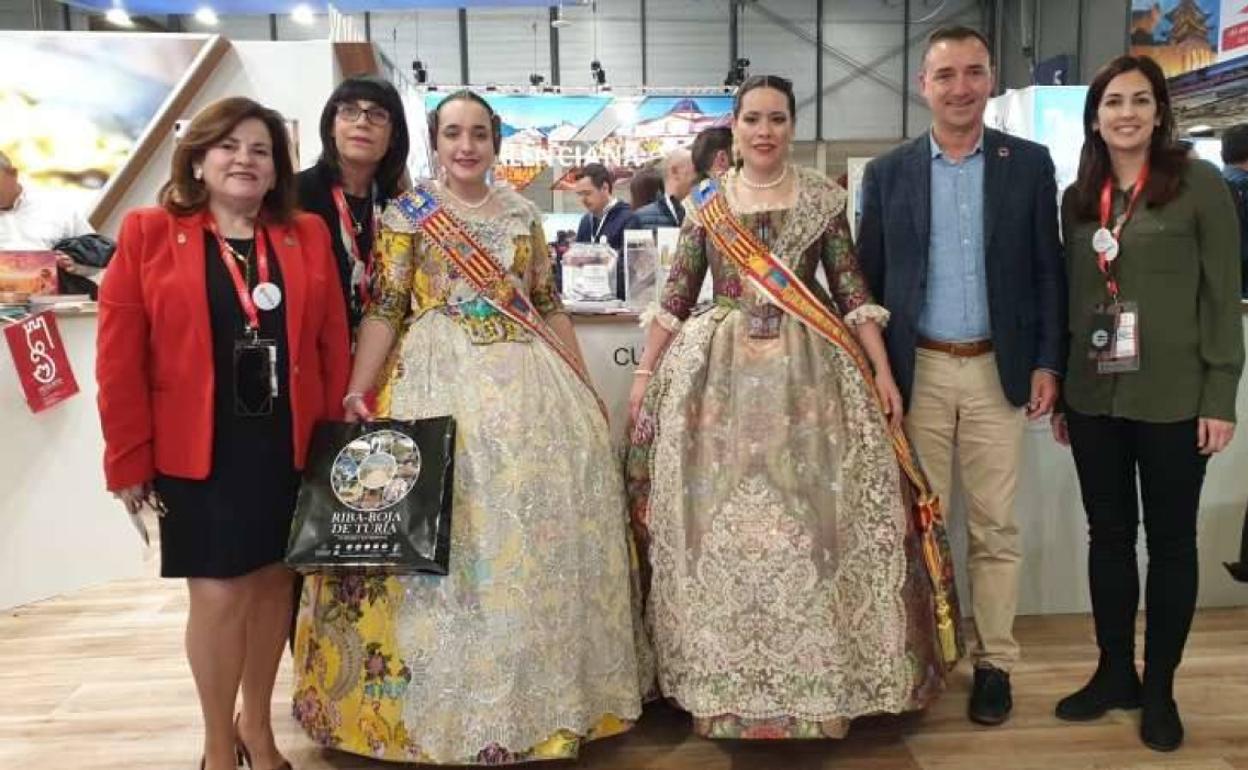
x=774 y=82
x=1166 y=159
x=958 y=34
x=645 y=187
x=183 y=194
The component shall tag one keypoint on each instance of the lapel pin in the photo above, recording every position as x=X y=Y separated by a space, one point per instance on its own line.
x=1003 y=152
x=290 y=240
x=181 y=239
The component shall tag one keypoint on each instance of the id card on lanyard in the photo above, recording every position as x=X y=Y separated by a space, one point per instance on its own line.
x=349 y=231
x=255 y=382
x=1114 y=342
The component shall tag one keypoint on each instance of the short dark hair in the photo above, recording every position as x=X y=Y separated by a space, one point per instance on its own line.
x=774 y=82
x=1235 y=144
x=1166 y=160
x=371 y=88
x=957 y=33
x=183 y=194
x=645 y=186
x=708 y=143
x=467 y=95
x=597 y=174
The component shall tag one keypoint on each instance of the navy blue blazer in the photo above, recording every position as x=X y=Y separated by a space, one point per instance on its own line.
x=1024 y=267
x=657 y=214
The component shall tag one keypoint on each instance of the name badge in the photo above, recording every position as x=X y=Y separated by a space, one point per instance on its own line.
x=1114 y=341
x=255 y=377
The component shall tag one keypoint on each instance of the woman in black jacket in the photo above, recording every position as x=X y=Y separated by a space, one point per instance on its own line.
x=364 y=144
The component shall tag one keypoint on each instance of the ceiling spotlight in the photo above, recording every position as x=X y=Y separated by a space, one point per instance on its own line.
x=207 y=17
x=536 y=79
x=737 y=73
x=419 y=72
x=598 y=74
x=118 y=17
x=302 y=14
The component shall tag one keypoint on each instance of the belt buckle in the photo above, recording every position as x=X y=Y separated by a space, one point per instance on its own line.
x=961 y=349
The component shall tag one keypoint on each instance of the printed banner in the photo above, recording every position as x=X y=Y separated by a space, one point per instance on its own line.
x=41 y=361
x=1182 y=35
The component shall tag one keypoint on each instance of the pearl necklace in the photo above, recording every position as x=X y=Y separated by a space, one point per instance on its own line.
x=745 y=180
x=489 y=193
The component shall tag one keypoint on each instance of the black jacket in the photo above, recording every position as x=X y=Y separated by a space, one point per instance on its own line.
x=316 y=197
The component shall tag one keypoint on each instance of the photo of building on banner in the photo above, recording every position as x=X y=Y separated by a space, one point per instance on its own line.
x=562 y=132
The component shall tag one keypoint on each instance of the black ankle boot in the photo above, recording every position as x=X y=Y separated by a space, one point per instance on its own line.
x=1115 y=685
x=1160 y=726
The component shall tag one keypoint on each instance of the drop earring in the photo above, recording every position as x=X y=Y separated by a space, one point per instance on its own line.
x=198 y=173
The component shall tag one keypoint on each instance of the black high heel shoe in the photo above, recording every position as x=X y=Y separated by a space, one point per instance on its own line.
x=244 y=756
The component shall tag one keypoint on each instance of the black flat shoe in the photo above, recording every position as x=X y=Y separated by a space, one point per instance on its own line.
x=1109 y=688
x=991 y=701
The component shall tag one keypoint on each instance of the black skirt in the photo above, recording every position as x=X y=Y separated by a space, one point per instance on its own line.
x=238 y=519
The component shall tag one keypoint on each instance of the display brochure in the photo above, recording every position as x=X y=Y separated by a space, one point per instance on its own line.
x=28 y=272
x=589 y=273
x=641 y=260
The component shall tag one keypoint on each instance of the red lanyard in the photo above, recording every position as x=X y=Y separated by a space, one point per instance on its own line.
x=1103 y=261
x=346 y=225
x=240 y=284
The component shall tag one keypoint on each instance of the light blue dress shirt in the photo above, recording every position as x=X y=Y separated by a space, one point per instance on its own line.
x=955 y=307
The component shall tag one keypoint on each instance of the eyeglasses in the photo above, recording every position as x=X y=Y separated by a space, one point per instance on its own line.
x=377 y=116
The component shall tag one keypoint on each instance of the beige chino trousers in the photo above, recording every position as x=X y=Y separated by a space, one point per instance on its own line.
x=957 y=407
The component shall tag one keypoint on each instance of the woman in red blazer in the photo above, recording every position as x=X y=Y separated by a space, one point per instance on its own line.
x=222 y=340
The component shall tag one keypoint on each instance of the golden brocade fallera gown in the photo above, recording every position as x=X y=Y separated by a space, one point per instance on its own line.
x=527 y=647
x=788 y=593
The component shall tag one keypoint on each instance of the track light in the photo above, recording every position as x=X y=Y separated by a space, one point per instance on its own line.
x=738 y=72
x=596 y=72
x=419 y=73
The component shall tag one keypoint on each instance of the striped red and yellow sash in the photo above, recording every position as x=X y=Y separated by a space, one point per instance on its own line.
x=786 y=290
x=486 y=275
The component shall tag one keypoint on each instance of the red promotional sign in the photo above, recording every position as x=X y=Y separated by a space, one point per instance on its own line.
x=41 y=361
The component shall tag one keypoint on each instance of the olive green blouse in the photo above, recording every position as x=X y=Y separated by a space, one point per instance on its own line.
x=1180 y=263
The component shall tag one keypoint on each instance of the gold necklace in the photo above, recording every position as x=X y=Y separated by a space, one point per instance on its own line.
x=745 y=180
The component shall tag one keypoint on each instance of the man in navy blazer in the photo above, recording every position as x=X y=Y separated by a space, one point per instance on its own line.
x=605 y=215
x=959 y=241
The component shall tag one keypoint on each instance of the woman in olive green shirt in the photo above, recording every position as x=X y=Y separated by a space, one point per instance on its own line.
x=1156 y=349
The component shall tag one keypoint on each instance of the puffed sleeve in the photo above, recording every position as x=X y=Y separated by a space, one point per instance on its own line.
x=123 y=362
x=684 y=282
x=541 y=274
x=394 y=259
x=846 y=280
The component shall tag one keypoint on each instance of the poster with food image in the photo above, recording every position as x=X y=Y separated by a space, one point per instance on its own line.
x=75 y=105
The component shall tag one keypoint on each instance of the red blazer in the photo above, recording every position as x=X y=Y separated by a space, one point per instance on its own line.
x=154 y=345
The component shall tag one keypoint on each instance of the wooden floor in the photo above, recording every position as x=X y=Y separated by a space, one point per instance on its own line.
x=98 y=680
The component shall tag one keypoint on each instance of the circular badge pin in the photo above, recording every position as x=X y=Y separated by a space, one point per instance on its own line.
x=1100 y=339
x=266 y=295
x=1104 y=242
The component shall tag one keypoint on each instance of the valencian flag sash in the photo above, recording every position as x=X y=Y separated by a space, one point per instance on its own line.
x=483 y=272
x=786 y=290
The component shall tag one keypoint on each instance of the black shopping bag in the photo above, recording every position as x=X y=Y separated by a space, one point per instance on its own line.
x=376 y=495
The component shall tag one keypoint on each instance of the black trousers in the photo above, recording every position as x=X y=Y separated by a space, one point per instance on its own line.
x=1109 y=454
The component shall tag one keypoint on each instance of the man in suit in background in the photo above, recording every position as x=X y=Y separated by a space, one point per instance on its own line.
x=605 y=215
x=959 y=241
x=667 y=210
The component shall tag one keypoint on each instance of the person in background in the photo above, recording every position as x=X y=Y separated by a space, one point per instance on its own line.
x=605 y=215
x=959 y=240
x=1235 y=171
x=222 y=341
x=667 y=209
x=1152 y=246
x=526 y=649
x=363 y=164
x=711 y=152
x=32 y=221
x=644 y=188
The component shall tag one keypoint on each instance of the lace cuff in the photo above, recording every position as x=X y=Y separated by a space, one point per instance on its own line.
x=663 y=317
x=868 y=312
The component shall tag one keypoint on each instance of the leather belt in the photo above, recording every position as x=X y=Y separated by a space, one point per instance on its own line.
x=957 y=349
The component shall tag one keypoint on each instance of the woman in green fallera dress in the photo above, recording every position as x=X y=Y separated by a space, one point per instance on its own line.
x=787 y=591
